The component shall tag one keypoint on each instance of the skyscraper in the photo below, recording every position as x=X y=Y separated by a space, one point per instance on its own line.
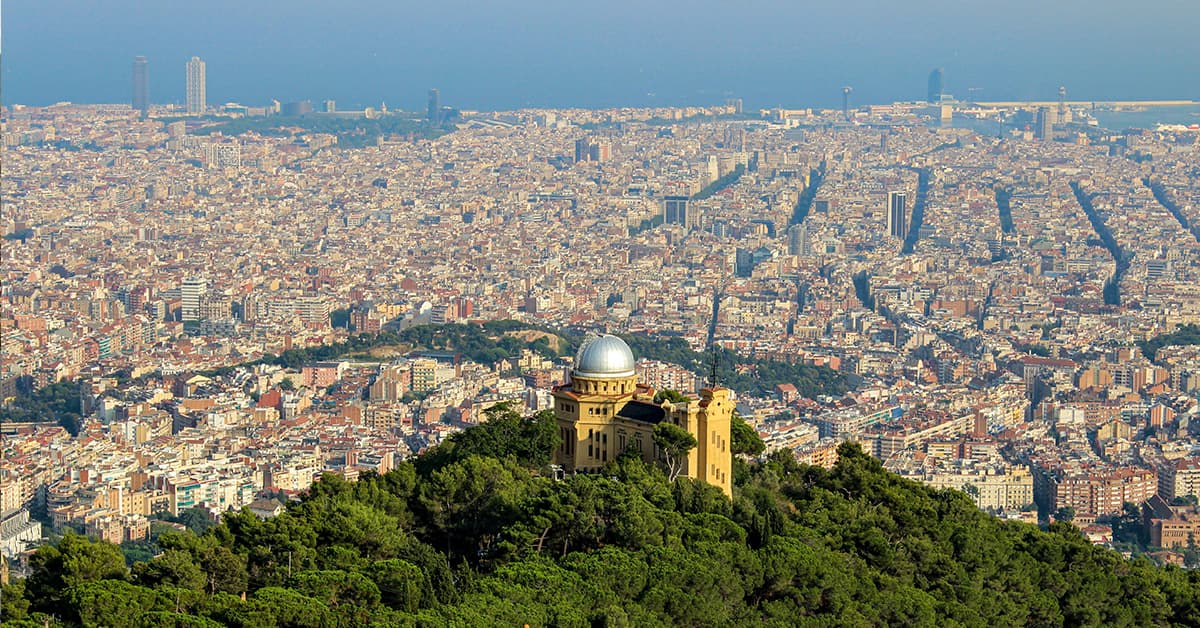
x=141 y=85
x=1045 y=124
x=189 y=294
x=434 y=108
x=675 y=211
x=196 y=103
x=936 y=85
x=897 y=216
x=587 y=150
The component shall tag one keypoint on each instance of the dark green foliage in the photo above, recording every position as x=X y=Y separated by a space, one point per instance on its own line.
x=674 y=396
x=14 y=604
x=58 y=402
x=743 y=439
x=400 y=584
x=674 y=442
x=797 y=545
x=114 y=603
x=340 y=318
x=503 y=434
x=761 y=380
x=351 y=132
x=196 y=518
x=74 y=561
x=487 y=344
x=1183 y=335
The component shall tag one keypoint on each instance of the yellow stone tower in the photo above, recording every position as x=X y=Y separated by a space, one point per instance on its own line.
x=604 y=411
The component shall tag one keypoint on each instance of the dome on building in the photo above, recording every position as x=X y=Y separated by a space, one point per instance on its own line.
x=604 y=357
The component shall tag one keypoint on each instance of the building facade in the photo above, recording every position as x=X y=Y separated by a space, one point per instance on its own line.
x=196 y=97
x=936 y=86
x=141 y=85
x=603 y=411
x=675 y=211
x=897 y=215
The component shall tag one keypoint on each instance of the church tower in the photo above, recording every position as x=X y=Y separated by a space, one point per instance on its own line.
x=604 y=411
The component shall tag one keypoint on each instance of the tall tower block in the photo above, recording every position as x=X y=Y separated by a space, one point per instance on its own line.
x=197 y=102
x=141 y=85
x=936 y=87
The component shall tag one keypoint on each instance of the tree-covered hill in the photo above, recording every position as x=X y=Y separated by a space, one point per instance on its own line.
x=491 y=342
x=475 y=533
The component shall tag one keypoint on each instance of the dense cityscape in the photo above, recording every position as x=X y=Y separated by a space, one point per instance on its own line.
x=1010 y=312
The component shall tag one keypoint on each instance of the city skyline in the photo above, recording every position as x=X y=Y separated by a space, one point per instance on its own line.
x=196 y=102
x=1127 y=54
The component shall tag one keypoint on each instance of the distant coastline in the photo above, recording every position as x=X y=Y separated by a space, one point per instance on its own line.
x=1110 y=115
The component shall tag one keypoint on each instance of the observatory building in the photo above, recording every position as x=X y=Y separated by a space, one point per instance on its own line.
x=604 y=411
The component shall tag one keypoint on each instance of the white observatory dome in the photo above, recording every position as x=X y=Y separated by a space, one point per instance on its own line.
x=604 y=357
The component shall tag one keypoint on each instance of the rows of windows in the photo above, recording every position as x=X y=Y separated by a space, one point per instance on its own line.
x=597 y=445
x=619 y=387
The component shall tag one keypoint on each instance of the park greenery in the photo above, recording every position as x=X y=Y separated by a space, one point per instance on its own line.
x=479 y=532
x=58 y=402
x=1183 y=335
x=492 y=342
x=487 y=344
x=352 y=132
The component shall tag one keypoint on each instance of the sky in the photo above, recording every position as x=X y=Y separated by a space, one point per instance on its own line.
x=505 y=54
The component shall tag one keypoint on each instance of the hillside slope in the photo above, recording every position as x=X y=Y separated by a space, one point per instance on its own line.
x=473 y=534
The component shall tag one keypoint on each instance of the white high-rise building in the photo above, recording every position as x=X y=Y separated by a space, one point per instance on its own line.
x=196 y=103
x=189 y=295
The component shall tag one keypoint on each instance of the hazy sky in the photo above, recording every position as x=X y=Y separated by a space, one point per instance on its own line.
x=506 y=54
